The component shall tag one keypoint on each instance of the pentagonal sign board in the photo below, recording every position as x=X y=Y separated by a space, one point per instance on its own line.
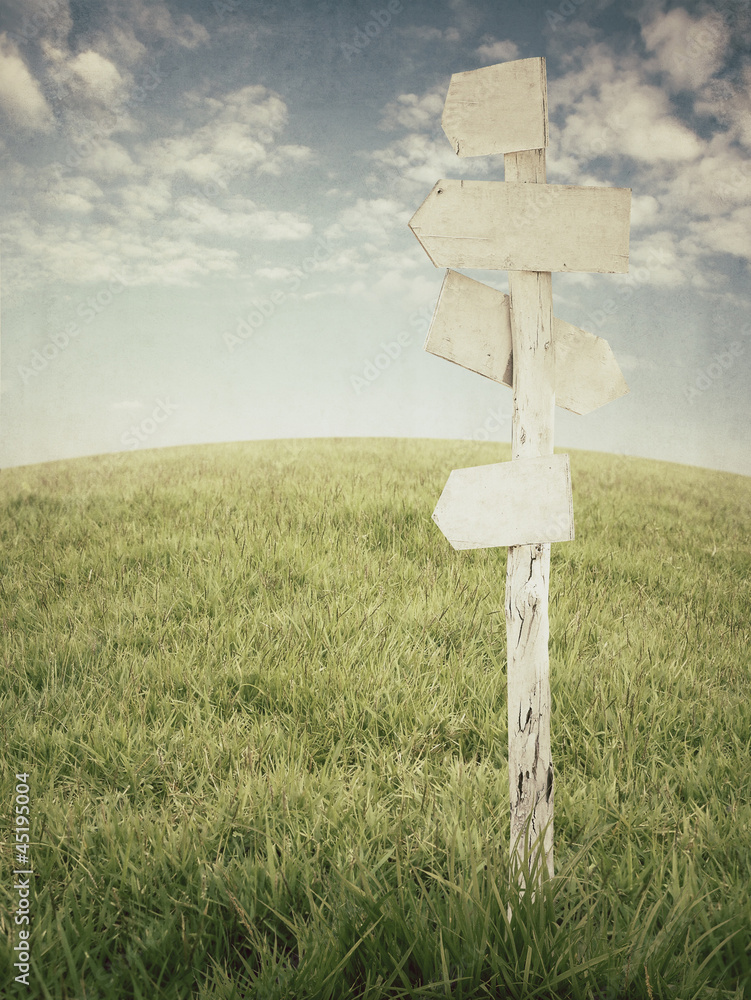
x=471 y=327
x=512 y=226
x=524 y=502
x=498 y=109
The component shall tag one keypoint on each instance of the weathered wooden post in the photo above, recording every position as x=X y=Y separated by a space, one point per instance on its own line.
x=529 y=228
x=528 y=566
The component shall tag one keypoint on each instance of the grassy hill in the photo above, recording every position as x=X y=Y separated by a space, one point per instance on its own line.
x=262 y=703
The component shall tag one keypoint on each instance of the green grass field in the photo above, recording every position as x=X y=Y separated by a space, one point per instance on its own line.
x=263 y=707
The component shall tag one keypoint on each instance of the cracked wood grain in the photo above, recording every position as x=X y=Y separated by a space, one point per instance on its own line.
x=531 y=778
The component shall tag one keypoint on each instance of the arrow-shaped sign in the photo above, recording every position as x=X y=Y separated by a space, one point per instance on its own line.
x=497 y=109
x=523 y=502
x=514 y=226
x=471 y=326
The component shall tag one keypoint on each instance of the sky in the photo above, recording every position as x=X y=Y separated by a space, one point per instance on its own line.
x=204 y=219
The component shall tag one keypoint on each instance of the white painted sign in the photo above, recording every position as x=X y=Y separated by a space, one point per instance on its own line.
x=523 y=502
x=529 y=228
x=471 y=326
x=497 y=109
x=525 y=227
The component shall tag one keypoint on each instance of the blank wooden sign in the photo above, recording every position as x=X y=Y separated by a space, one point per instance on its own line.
x=512 y=226
x=471 y=326
x=497 y=109
x=524 y=502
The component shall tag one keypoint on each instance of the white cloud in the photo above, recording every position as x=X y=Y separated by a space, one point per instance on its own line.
x=278 y=158
x=713 y=282
x=375 y=217
x=644 y=211
x=608 y=110
x=83 y=186
x=417 y=113
x=275 y=273
x=100 y=76
x=687 y=50
x=381 y=282
x=183 y=263
x=20 y=95
x=240 y=135
x=162 y=210
x=120 y=42
x=348 y=260
x=195 y=156
x=89 y=88
x=425 y=33
x=124 y=32
x=731 y=234
x=660 y=259
x=418 y=161
x=144 y=202
x=108 y=159
x=73 y=203
x=46 y=17
x=712 y=185
x=728 y=100
x=155 y=20
x=254 y=106
x=73 y=194
x=244 y=219
x=494 y=51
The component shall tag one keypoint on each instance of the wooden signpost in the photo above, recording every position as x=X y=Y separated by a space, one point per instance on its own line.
x=471 y=326
x=530 y=229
